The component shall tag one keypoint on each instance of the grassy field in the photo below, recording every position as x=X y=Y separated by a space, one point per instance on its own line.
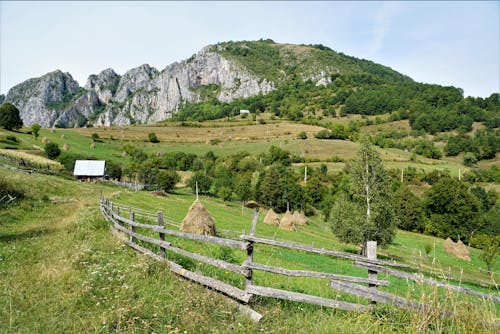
x=61 y=270
x=223 y=139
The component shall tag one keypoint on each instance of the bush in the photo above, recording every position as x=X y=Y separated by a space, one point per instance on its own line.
x=323 y=134
x=470 y=159
x=95 y=137
x=167 y=179
x=12 y=138
x=113 y=170
x=68 y=160
x=152 y=138
x=52 y=150
x=302 y=135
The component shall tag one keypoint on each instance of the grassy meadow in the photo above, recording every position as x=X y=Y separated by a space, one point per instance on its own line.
x=223 y=138
x=63 y=271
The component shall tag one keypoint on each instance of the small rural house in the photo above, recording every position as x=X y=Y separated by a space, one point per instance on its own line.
x=244 y=112
x=89 y=170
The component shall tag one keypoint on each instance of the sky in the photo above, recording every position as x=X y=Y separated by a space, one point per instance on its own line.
x=446 y=43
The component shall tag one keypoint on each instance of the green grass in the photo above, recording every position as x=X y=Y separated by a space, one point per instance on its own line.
x=61 y=270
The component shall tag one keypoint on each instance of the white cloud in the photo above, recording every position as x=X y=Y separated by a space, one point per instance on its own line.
x=382 y=25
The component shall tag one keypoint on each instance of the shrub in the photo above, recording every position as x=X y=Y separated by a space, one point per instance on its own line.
x=323 y=134
x=95 y=137
x=152 y=138
x=470 y=159
x=167 y=179
x=302 y=135
x=113 y=170
x=12 y=138
x=52 y=150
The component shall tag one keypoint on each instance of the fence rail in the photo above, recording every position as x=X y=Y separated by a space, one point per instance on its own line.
x=347 y=284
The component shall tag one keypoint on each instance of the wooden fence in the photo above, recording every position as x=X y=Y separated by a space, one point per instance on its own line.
x=246 y=243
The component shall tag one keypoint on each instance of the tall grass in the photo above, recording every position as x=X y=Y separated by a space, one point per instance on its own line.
x=31 y=160
x=61 y=270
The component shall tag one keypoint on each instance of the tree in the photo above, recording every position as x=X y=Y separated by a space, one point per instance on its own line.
x=152 y=138
x=167 y=179
x=270 y=191
x=52 y=150
x=113 y=170
x=9 y=117
x=452 y=209
x=35 y=128
x=370 y=201
x=204 y=182
x=408 y=210
x=243 y=187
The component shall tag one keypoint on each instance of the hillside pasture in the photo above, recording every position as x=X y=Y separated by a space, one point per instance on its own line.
x=187 y=134
x=57 y=249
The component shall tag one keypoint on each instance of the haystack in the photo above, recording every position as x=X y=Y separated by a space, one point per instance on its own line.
x=198 y=220
x=457 y=249
x=272 y=218
x=287 y=222
x=65 y=147
x=299 y=218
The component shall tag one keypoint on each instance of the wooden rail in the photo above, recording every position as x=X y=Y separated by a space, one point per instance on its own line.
x=343 y=283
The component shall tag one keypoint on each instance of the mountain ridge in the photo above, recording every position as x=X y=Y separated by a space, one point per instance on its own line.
x=222 y=73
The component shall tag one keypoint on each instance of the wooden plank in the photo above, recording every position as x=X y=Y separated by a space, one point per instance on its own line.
x=375 y=295
x=422 y=279
x=162 y=235
x=306 y=273
x=198 y=237
x=300 y=297
x=371 y=254
x=310 y=249
x=246 y=297
x=210 y=282
x=205 y=259
x=249 y=260
x=142 y=237
x=206 y=238
x=211 y=261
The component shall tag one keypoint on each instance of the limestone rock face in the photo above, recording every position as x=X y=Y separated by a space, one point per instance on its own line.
x=141 y=95
x=104 y=85
x=41 y=100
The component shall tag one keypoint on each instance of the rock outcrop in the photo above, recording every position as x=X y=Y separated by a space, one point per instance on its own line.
x=141 y=95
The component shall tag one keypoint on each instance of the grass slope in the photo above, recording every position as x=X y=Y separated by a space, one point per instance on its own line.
x=61 y=270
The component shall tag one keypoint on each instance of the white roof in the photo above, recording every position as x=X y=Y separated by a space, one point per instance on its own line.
x=89 y=168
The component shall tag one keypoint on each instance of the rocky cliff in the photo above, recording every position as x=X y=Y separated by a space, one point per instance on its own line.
x=141 y=95
x=144 y=94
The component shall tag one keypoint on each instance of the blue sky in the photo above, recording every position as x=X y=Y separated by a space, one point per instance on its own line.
x=448 y=43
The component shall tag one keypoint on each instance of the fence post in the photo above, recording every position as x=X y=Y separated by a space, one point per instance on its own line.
x=118 y=213
x=249 y=260
x=162 y=235
x=132 y=227
x=371 y=253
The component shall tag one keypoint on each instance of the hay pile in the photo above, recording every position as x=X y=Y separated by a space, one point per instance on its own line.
x=457 y=249
x=198 y=220
x=287 y=222
x=272 y=218
x=299 y=218
x=65 y=147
